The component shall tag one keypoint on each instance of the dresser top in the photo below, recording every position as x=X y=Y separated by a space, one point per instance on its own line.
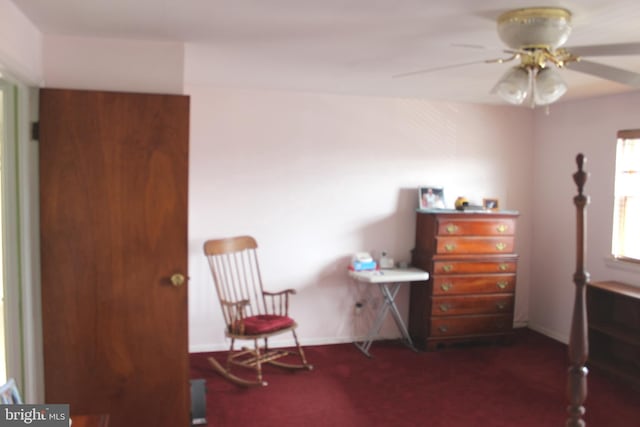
x=468 y=211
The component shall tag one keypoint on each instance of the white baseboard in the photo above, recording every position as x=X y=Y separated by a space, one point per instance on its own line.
x=550 y=333
x=203 y=348
x=224 y=346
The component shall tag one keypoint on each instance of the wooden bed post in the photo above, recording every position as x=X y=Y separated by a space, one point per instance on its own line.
x=578 y=341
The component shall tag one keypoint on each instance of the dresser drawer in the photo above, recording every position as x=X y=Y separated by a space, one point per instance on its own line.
x=472 y=304
x=476 y=227
x=470 y=325
x=465 y=267
x=473 y=284
x=474 y=245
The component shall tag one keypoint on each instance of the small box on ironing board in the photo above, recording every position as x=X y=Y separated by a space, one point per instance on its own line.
x=363 y=261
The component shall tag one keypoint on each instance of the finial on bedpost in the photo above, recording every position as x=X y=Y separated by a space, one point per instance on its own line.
x=578 y=340
x=580 y=177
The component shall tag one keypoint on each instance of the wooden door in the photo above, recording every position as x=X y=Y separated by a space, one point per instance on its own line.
x=113 y=198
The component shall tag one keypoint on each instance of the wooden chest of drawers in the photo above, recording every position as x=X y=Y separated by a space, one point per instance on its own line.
x=472 y=277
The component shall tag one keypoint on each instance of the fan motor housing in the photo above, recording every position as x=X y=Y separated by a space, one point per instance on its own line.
x=539 y=27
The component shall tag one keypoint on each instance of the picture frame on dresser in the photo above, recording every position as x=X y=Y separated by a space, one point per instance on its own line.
x=491 y=204
x=431 y=197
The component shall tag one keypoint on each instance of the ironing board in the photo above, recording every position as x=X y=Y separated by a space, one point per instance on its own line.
x=389 y=282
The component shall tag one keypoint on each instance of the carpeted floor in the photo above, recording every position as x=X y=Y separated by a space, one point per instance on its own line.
x=522 y=384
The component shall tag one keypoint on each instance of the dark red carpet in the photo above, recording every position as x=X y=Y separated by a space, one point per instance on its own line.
x=522 y=384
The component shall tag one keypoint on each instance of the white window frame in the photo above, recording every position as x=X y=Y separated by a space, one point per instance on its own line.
x=625 y=241
x=21 y=240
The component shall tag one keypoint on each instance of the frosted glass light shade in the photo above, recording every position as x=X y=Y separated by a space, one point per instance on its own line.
x=549 y=86
x=513 y=87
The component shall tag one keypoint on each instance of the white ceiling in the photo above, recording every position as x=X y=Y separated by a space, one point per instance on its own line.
x=345 y=46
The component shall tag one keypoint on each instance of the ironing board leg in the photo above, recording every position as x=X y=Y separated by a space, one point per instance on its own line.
x=389 y=292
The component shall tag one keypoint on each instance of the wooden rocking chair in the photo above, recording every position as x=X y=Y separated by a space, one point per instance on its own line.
x=249 y=312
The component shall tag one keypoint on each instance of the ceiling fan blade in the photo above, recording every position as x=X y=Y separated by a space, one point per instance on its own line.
x=469 y=46
x=480 y=47
x=462 y=64
x=618 y=49
x=444 y=67
x=608 y=72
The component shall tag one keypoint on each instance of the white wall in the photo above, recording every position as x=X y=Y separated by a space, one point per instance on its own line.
x=317 y=177
x=587 y=127
x=113 y=64
x=20 y=45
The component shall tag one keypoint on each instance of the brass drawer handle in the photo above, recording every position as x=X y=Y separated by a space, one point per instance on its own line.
x=449 y=247
x=447 y=268
x=446 y=286
x=452 y=228
x=501 y=246
x=443 y=328
x=502 y=284
x=503 y=267
x=501 y=306
x=444 y=307
x=502 y=228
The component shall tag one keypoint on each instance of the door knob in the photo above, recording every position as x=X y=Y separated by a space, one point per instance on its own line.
x=177 y=280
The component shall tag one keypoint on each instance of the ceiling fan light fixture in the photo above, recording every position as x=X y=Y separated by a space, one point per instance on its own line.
x=549 y=86
x=513 y=86
x=536 y=27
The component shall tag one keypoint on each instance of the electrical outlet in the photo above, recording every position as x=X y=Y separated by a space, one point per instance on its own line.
x=357 y=309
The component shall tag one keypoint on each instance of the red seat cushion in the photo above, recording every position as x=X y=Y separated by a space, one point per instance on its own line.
x=265 y=323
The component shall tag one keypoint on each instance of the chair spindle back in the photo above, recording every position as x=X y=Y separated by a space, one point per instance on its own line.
x=236 y=275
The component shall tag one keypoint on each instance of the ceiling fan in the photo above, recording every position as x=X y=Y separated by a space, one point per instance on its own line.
x=535 y=37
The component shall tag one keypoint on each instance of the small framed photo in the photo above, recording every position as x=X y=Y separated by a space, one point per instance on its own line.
x=431 y=197
x=490 y=204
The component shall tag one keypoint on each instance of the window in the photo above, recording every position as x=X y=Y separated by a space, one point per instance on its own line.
x=626 y=209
